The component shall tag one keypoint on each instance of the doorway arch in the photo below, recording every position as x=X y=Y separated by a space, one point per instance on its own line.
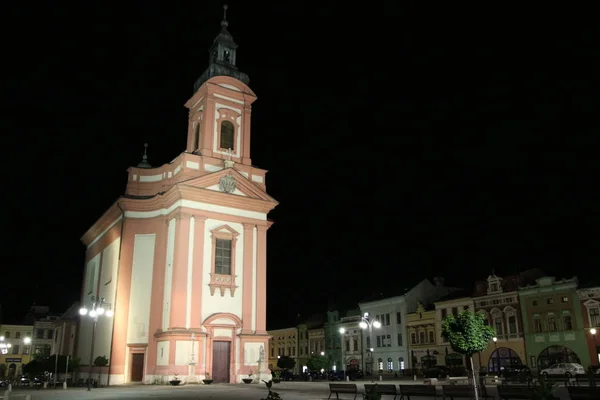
x=556 y=354
x=503 y=357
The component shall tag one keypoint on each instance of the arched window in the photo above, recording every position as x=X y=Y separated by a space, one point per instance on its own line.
x=380 y=363
x=227 y=135
x=502 y=358
x=390 y=364
x=556 y=355
x=400 y=363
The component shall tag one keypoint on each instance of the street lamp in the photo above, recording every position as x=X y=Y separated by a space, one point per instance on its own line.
x=99 y=307
x=343 y=332
x=4 y=346
x=367 y=323
x=495 y=339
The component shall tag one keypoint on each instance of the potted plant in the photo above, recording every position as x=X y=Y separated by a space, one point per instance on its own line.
x=207 y=380
x=249 y=378
x=175 y=381
x=544 y=390
x=276 y=376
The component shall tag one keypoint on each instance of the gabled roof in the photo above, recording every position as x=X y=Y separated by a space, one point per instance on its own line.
x=243 y=184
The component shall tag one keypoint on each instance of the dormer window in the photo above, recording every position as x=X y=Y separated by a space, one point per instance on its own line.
x=494 y=284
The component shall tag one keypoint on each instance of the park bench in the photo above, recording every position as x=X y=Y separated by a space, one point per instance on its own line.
x=342 y=388
x=381 y=389
x=566 y=380
x=464 y=392
x=506 y=392
x=417 y=391
x=584 y=393
x=585 y=379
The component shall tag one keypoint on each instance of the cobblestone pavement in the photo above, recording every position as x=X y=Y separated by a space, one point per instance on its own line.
x=287 y=390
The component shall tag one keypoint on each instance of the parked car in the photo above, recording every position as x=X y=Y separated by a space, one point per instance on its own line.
x=3 y=383
x=568 y=369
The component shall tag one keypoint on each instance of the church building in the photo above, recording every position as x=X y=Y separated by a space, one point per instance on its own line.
x=180 y=258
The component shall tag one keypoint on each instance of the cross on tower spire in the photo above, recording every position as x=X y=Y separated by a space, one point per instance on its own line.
x=144 y=163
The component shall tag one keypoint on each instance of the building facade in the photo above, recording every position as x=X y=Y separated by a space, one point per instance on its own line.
x=65 y=331
x=343 y=341
x=283 y=342
x=422 y=338
x=553 y=323
x=590 y=307
x=15 y=348
x=43 y=334
x=391 y=313
x=450 y=305
x=181 y=257
x=498 y=298
x=316 y=341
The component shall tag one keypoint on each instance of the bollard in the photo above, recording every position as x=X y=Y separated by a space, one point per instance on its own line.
x=5 y=396
x=10 y=387
x=347 y=378
x=65 y=385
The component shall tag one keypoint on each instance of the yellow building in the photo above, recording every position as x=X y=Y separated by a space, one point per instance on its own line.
x=283 y=342
x=422 y=338
x=15 y=349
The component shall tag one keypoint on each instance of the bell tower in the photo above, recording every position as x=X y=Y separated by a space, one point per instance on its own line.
x=220 y=108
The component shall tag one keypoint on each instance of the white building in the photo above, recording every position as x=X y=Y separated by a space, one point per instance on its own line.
x=389 y=342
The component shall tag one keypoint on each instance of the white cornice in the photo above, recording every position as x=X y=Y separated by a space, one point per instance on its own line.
x=496 y=295
x=383 y=302
x=589 y=293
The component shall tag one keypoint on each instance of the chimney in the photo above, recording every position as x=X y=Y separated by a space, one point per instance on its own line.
x=439 y=281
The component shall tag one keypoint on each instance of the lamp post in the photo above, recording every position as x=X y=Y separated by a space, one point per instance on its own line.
x=593 y=331
x=367 y=323
x=99 y=307
x=343 y=363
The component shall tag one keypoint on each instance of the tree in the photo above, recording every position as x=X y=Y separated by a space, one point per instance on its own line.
x=286 y=363
x=468 y=334
x=317 y=363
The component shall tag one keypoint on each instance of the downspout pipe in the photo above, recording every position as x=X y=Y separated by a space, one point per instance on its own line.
x=116 y=290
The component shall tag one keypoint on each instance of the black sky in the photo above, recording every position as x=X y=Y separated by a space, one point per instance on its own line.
x=400 y=144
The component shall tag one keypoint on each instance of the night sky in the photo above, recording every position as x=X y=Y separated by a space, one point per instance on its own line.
x=400 y=144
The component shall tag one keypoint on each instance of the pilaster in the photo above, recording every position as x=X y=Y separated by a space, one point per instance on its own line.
x=180 y=263
x=198 y=270
x=261 y=279
x=247 y=278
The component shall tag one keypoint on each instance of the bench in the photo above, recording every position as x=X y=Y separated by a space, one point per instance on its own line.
x=586 y=379
x=339 y=388
x=381 y=389
x=417 y=391
x=557 y=379
x=464 y=392
x=506 y=392
x=584 y=393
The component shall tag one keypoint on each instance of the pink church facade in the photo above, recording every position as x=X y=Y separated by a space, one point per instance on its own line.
x=181 y=257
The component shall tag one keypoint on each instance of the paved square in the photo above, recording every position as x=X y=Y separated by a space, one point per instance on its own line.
x=287 y=390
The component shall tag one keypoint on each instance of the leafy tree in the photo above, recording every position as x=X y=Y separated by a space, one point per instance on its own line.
x=317 y=363
x=286 y=363
x=468 y=334
x=42 y=352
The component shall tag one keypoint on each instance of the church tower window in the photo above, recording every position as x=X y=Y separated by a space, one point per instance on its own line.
x=227 y=135
x=197 y=138
x=223 y=257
